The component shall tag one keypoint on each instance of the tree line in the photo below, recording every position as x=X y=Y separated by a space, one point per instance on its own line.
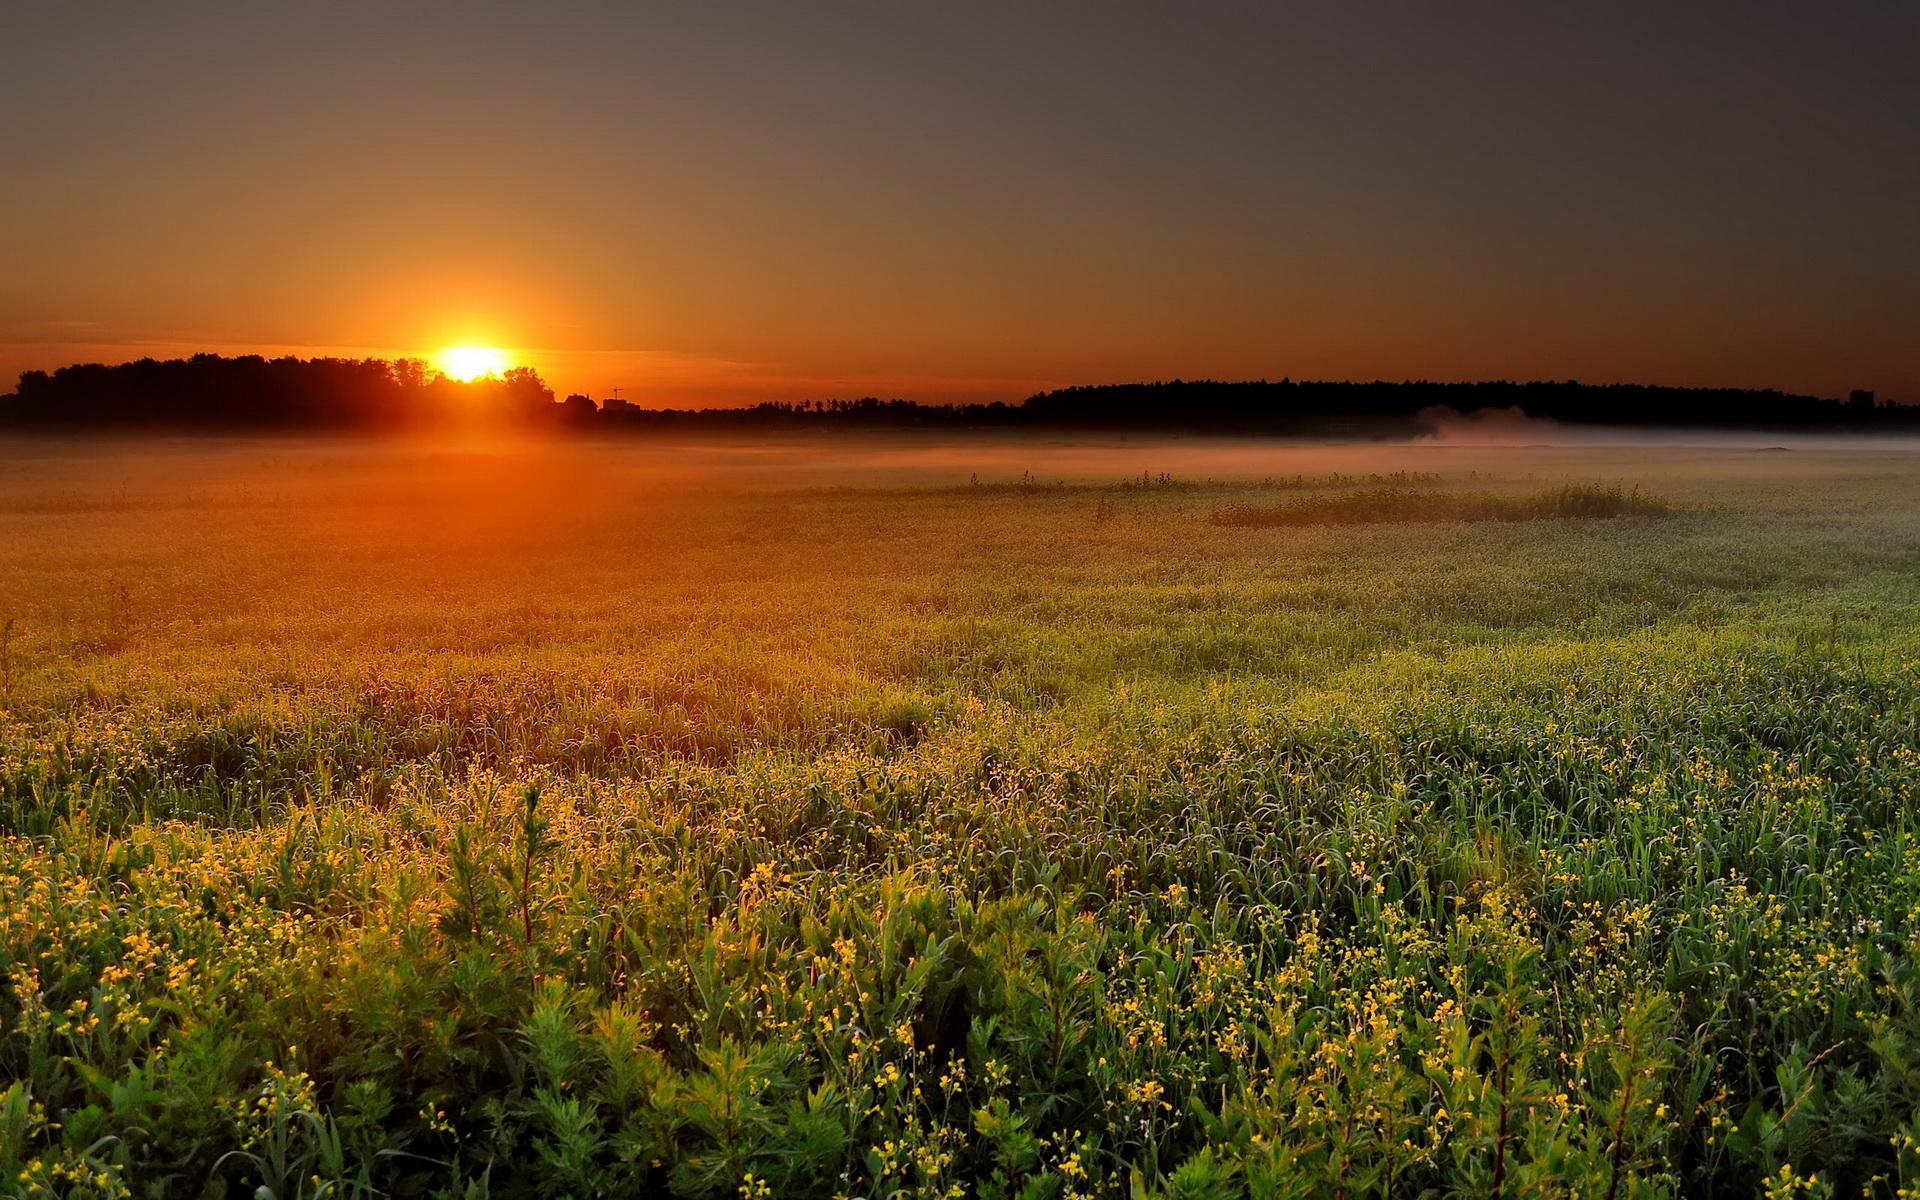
x=211 y=392
x=1330 y=407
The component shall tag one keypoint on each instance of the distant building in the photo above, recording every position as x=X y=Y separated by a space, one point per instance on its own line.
x=578 y=407
x=1860 y=398
x=614 y=404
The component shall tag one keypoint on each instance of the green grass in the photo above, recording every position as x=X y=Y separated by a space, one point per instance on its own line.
x=1394 y=505
x=677 y=821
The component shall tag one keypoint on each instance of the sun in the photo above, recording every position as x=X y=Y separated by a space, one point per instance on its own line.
x=470 y=362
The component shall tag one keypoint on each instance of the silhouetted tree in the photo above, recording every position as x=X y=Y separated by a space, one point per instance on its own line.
x=208 y=391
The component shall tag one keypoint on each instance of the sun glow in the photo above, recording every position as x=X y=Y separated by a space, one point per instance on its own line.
x=470 y=362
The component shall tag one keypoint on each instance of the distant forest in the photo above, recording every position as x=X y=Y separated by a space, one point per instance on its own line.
x=211 y=393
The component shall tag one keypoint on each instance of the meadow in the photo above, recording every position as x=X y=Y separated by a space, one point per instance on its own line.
x=940 y=817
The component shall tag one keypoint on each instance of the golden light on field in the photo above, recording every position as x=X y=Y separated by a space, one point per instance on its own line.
x=470 y=362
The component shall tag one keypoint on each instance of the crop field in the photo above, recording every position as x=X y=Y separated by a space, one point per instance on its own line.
x=942 y=817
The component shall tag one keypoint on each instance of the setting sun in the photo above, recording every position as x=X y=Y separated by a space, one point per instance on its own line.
x=470 y=362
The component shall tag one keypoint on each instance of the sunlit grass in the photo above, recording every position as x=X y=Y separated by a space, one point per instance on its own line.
x=1392 y=505
x=513 y=825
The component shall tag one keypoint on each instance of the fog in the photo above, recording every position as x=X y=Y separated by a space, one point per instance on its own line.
x=188 y=528
x=560 y=482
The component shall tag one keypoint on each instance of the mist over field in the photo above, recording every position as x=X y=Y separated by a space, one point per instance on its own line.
x=538 y=471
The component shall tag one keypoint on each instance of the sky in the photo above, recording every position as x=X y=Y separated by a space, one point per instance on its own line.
x=718 y=203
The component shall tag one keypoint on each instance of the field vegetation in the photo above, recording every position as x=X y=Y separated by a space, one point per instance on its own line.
x=771 y=819
x=1402 y=505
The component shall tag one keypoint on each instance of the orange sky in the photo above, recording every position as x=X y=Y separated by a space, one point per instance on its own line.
x=720 y=204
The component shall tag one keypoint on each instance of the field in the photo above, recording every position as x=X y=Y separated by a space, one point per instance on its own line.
x=990 y=818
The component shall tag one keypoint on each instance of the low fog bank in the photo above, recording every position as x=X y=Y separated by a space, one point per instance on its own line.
x=475 y=509
x=1514 y=427
x=360 y=470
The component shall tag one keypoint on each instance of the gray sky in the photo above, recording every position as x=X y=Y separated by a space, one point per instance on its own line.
x=713 y=202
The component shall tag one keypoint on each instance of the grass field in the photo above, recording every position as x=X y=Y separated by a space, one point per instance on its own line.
x=942 y=818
